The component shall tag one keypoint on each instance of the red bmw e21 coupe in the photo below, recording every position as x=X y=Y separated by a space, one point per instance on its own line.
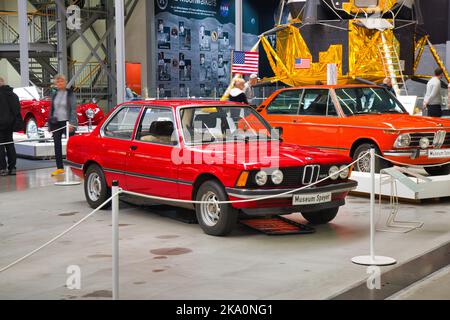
x=212 y=152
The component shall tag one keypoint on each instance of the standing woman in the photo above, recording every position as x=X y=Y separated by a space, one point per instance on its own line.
x=63 y=109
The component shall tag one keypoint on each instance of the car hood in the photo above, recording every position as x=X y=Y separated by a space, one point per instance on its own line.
x=398 y=122
x=265 y=155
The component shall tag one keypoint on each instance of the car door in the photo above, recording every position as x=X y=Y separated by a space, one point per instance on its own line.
x=115 y=141
x=282 y=111
x=150 y=168
x=317 y=122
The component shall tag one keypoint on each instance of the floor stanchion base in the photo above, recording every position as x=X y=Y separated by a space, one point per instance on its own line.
x=375 y=261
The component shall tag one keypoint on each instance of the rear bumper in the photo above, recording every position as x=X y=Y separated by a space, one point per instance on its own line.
x=281 y=203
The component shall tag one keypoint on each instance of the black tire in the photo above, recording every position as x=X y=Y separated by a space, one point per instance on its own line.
x=438 y=171
x=224 y=222
x=322 y=216
x=364 y=165
x=102 y=194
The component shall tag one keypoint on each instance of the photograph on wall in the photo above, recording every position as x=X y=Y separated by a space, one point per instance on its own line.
x=185 y=68
x=224 y=41
x=222 y=69
x=164 y=92
x=182 y=90
x=204 y=39
x=164 y=67
x=163 y=35
x=184 y=36
x=205 y=68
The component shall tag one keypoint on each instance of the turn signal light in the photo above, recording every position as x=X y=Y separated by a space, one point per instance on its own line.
x=242 y=181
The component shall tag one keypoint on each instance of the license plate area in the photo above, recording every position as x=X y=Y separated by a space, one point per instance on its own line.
x=438 y=153
x=311 y=198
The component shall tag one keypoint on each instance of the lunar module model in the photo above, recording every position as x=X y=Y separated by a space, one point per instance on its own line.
x=367 y=40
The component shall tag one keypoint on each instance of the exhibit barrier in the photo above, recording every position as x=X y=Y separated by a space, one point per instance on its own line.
x=371 y=259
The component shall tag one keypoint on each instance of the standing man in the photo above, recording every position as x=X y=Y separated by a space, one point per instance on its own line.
x=433 y=99
x=10 y=121
x=63 y=109
x=248 y=90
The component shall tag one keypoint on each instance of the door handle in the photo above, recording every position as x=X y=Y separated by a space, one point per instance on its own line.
x=296 y=120
x=133 y=148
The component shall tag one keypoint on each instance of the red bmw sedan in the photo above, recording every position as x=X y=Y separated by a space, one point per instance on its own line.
x=222 y=155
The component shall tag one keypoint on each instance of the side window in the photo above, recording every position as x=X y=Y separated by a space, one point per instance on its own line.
x=317 y=102
x=121 y=126
x=157 y=126
x=286 y=102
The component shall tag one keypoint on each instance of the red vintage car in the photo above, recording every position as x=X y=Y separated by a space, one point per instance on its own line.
x=36 y=113
x=210 y=152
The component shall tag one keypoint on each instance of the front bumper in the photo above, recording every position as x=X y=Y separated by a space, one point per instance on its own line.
x=281 y=203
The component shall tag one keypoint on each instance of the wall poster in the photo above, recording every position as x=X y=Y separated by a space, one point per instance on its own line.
x=194 y=43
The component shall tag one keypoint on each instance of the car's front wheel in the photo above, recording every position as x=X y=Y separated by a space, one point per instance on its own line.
x=438 y=171
x=31 y=128
x=95 y=188
x=363 y=164
x=321 y=216
x=215 y=219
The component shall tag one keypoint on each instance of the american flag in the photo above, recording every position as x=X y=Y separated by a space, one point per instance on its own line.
x=302 y=63
x=245 y=62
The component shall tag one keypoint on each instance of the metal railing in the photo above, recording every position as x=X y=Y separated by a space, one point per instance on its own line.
x=41 y=26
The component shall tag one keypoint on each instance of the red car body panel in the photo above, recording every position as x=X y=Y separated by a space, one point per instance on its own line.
x=40 y=111
x=149 y=169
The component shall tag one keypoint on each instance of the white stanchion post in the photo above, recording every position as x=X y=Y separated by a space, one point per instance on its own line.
x=67 y=171
x=115 y=240
x=372 y=259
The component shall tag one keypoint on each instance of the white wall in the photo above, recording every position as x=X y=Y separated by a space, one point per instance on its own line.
x=136 y=40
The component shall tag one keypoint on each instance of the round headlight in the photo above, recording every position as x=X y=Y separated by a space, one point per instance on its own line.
x=424 y=143
x=261 y=178
x=277 y=177
x=345 y=172
x=333 y=173
x=403 y=141
x=90 y=113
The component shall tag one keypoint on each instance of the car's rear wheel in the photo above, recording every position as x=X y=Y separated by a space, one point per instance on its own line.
x=95 y=188
x=321 y=216
x=363 y=164
x=438 y=171
x=215 y=219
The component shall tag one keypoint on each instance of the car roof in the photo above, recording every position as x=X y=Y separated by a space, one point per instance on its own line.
x=178 y=103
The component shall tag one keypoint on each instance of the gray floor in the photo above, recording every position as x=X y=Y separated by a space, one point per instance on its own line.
x=164 y=259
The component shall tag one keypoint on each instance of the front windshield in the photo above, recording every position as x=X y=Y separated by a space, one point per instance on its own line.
x=368 y=100
x=223 y=124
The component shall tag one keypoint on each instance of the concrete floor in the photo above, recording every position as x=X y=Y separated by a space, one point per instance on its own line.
x=165 y=259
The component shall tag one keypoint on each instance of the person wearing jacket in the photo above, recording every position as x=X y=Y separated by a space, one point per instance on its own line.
x=432 y=102
x=237 y=94
x=10 y=121
x=63 y=109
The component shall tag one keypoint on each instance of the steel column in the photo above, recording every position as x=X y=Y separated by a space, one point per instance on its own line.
x=120 y=50
x=239 y=30
x=23 y=43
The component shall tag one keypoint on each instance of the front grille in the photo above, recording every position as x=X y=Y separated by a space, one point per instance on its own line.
x=294 y=176
x=415 y=138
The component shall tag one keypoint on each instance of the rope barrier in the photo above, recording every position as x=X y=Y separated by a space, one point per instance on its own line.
x=246 y=200
x=32 y=140
x=164 y=199
x=58 y=236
